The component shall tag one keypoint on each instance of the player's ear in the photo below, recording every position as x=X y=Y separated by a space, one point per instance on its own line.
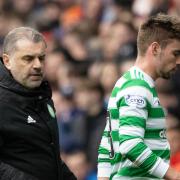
x=155 y=48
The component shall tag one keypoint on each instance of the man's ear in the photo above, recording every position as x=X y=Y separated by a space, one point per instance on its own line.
x=155 y=48
x=6 y=61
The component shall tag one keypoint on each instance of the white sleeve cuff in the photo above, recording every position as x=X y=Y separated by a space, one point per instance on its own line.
x=159 y=169
x=104 y=170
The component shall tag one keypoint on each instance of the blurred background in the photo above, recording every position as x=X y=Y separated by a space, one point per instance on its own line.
x=90 y=44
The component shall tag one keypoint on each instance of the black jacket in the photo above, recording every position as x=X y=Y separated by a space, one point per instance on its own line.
x=28 y=130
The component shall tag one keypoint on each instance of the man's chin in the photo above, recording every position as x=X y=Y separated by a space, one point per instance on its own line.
x=168 y=75
x=33 y=85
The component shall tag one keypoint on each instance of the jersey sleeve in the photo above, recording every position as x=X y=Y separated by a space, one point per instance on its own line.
x=104 y=164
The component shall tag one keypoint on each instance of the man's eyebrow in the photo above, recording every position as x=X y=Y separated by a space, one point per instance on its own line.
x=33 y=55
x=42 y=55
x=27 y=55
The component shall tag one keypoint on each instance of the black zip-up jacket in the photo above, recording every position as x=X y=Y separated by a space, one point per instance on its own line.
x=28 y=130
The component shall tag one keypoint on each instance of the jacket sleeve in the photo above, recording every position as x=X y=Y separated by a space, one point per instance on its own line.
x=66 y=173
x=9 y=172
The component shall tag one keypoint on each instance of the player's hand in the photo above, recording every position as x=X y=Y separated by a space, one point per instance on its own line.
x=171 y=174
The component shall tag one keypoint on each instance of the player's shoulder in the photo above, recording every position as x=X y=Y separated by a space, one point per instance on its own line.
x=135 y=77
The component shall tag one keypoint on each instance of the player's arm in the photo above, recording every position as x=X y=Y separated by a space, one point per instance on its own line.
x=104 y=165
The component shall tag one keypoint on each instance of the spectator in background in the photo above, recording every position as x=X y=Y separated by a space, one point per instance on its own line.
x=89 y=96
x=125 y=65
x=109 y=75
x=72 y=125
x=21 y=8
x=174 y=7
x=166 y=93
x=173 y=134
x=78 y=163
x=118 y=42
x=54 y=60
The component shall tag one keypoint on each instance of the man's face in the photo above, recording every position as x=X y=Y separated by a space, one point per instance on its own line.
x=168 y=59
x=26 y=63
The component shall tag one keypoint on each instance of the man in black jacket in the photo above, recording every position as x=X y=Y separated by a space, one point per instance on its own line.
x=29 y=148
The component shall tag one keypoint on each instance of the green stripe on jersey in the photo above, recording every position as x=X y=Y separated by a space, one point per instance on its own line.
x=102 y=150
x=137 y=82
x=127 y=75
x=132 y=121
x=136 y=151
x=163 y=154
x=156 y=113
x=115 y=91
x=155 y=134
x=114 y=113
x=113 y=134
x=133 y=172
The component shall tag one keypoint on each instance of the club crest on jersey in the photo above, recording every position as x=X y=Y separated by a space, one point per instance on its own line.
x=51 y=111
x=135 y=101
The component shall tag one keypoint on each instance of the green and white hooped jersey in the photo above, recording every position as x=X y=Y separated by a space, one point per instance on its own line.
x=134 y=144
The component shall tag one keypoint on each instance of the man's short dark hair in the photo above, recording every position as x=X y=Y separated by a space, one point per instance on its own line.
x=159 y=28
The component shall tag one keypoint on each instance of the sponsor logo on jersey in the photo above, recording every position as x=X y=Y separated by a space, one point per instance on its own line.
x=162 y=134
x=135 y=101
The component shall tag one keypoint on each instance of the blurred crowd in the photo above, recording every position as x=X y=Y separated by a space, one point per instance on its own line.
x=90 y=44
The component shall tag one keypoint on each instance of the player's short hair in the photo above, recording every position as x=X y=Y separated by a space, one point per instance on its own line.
x=159 y=28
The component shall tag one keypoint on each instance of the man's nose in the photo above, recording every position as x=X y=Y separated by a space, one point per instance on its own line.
x=37 y=63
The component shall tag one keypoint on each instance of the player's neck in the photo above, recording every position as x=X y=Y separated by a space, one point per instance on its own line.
x=146 y=65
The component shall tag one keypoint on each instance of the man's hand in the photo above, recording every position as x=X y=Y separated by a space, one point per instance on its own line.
x=103 y=178
x=171 y=174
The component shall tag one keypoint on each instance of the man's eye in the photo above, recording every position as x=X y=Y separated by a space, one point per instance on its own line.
x=176 y=53
x=28 y=58
x=41 y=58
